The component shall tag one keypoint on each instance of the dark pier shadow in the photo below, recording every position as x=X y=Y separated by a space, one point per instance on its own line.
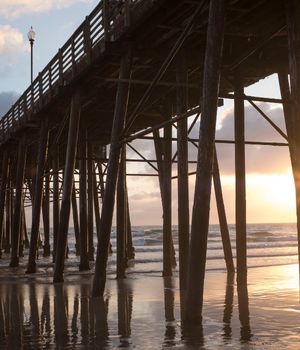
x=228 y=308
x=61 y=334
x=244 y=315
x=169 y=299
x=125 y=303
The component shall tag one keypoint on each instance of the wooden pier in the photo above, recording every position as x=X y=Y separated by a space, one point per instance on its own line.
x=133 y=70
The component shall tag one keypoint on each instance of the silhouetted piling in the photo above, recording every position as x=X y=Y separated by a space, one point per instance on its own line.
x=240 y=185
x=67 y=188
x=16 y=228
x=200 y=215
x=112 y=174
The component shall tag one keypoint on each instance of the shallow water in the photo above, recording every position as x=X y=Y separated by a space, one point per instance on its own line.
x=143 y=311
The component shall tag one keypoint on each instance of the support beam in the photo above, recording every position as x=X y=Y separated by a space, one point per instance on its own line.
x=8 y=218
x=16 y=228
x=293 y=30
x=67 y=187
x=222 y=216
x=200 y=216
x=90 y=201
x=3 y=191
x=83 y=214
x=168 y=249
x=55 y=166
x=75 y=220
x=112 y=174
x=96 y=201
x=183 y=179
x=121 y=218
x=240 y=186
x=46 y=217
x=38 y=194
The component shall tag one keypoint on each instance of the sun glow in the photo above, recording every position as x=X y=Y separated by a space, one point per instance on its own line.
x=271 y=197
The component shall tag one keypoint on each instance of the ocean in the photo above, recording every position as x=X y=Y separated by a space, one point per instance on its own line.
x=144 y=310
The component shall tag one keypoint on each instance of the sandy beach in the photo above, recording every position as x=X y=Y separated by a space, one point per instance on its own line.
x=143 y=312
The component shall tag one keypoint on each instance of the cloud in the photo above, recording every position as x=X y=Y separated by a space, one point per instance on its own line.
x=11 y=9
x=259 y=159
x=12 y=45
x=7 y=99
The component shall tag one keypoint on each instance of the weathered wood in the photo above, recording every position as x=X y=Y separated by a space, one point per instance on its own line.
x=293 y=31
x=121 y=218
x=96 y=201
x=75 y=220
x=3 y=191
x=240 y=185
x=112 y=174
x=163 y=150
x=46 y=211
x=67 y=187
x=55 y=166
x=200 y=215
x=222 y=216
x=8 y=217
x=130 y=254
x=83 y=214
x=18 y=203
x=38 y=194
x=183 y=180
x=168 y=249
x=90 y=202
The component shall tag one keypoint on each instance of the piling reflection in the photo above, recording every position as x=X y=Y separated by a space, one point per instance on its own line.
x=169 y=298
x=228 y=307
x=66 y=316
x=244 y=316
x=57 y=316
x=125 y=300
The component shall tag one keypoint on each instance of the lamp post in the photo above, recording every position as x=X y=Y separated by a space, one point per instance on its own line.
x=31 y=38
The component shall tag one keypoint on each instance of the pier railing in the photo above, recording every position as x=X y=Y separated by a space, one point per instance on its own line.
x=98 y=26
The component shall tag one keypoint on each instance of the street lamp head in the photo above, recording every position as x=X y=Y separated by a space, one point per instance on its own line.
x=31 y=35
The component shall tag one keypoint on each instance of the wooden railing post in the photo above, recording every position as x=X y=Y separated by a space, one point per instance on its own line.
x=105 y=19
x=87 y=39
x=127 y=13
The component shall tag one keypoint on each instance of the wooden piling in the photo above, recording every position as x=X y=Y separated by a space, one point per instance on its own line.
x=38 y=194
x=45 y=211
x=55 y=208
x=83 y=214
x=90 y=201
x=200 y=216
x=8 y=216
x=67 y=187
x=96 y=200
x=168 y=249
x=121 y=218
x=183 y=180
x=293 y=30
x=240 y=184
x=163 y=150
x=222 y=216
x=75 y=220
x=112 y=174
x=16 y=225
x=3 y=191
x=130 y=248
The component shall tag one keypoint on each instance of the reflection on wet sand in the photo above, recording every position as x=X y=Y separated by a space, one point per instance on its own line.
x=228 y=307
x=169 y=298
x=244 y=316
x=65 y=316
x=125 y=300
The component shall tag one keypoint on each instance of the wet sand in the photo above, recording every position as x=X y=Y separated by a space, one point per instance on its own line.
x=143 y=312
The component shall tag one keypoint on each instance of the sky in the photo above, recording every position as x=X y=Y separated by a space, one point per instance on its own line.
x=270 y=190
